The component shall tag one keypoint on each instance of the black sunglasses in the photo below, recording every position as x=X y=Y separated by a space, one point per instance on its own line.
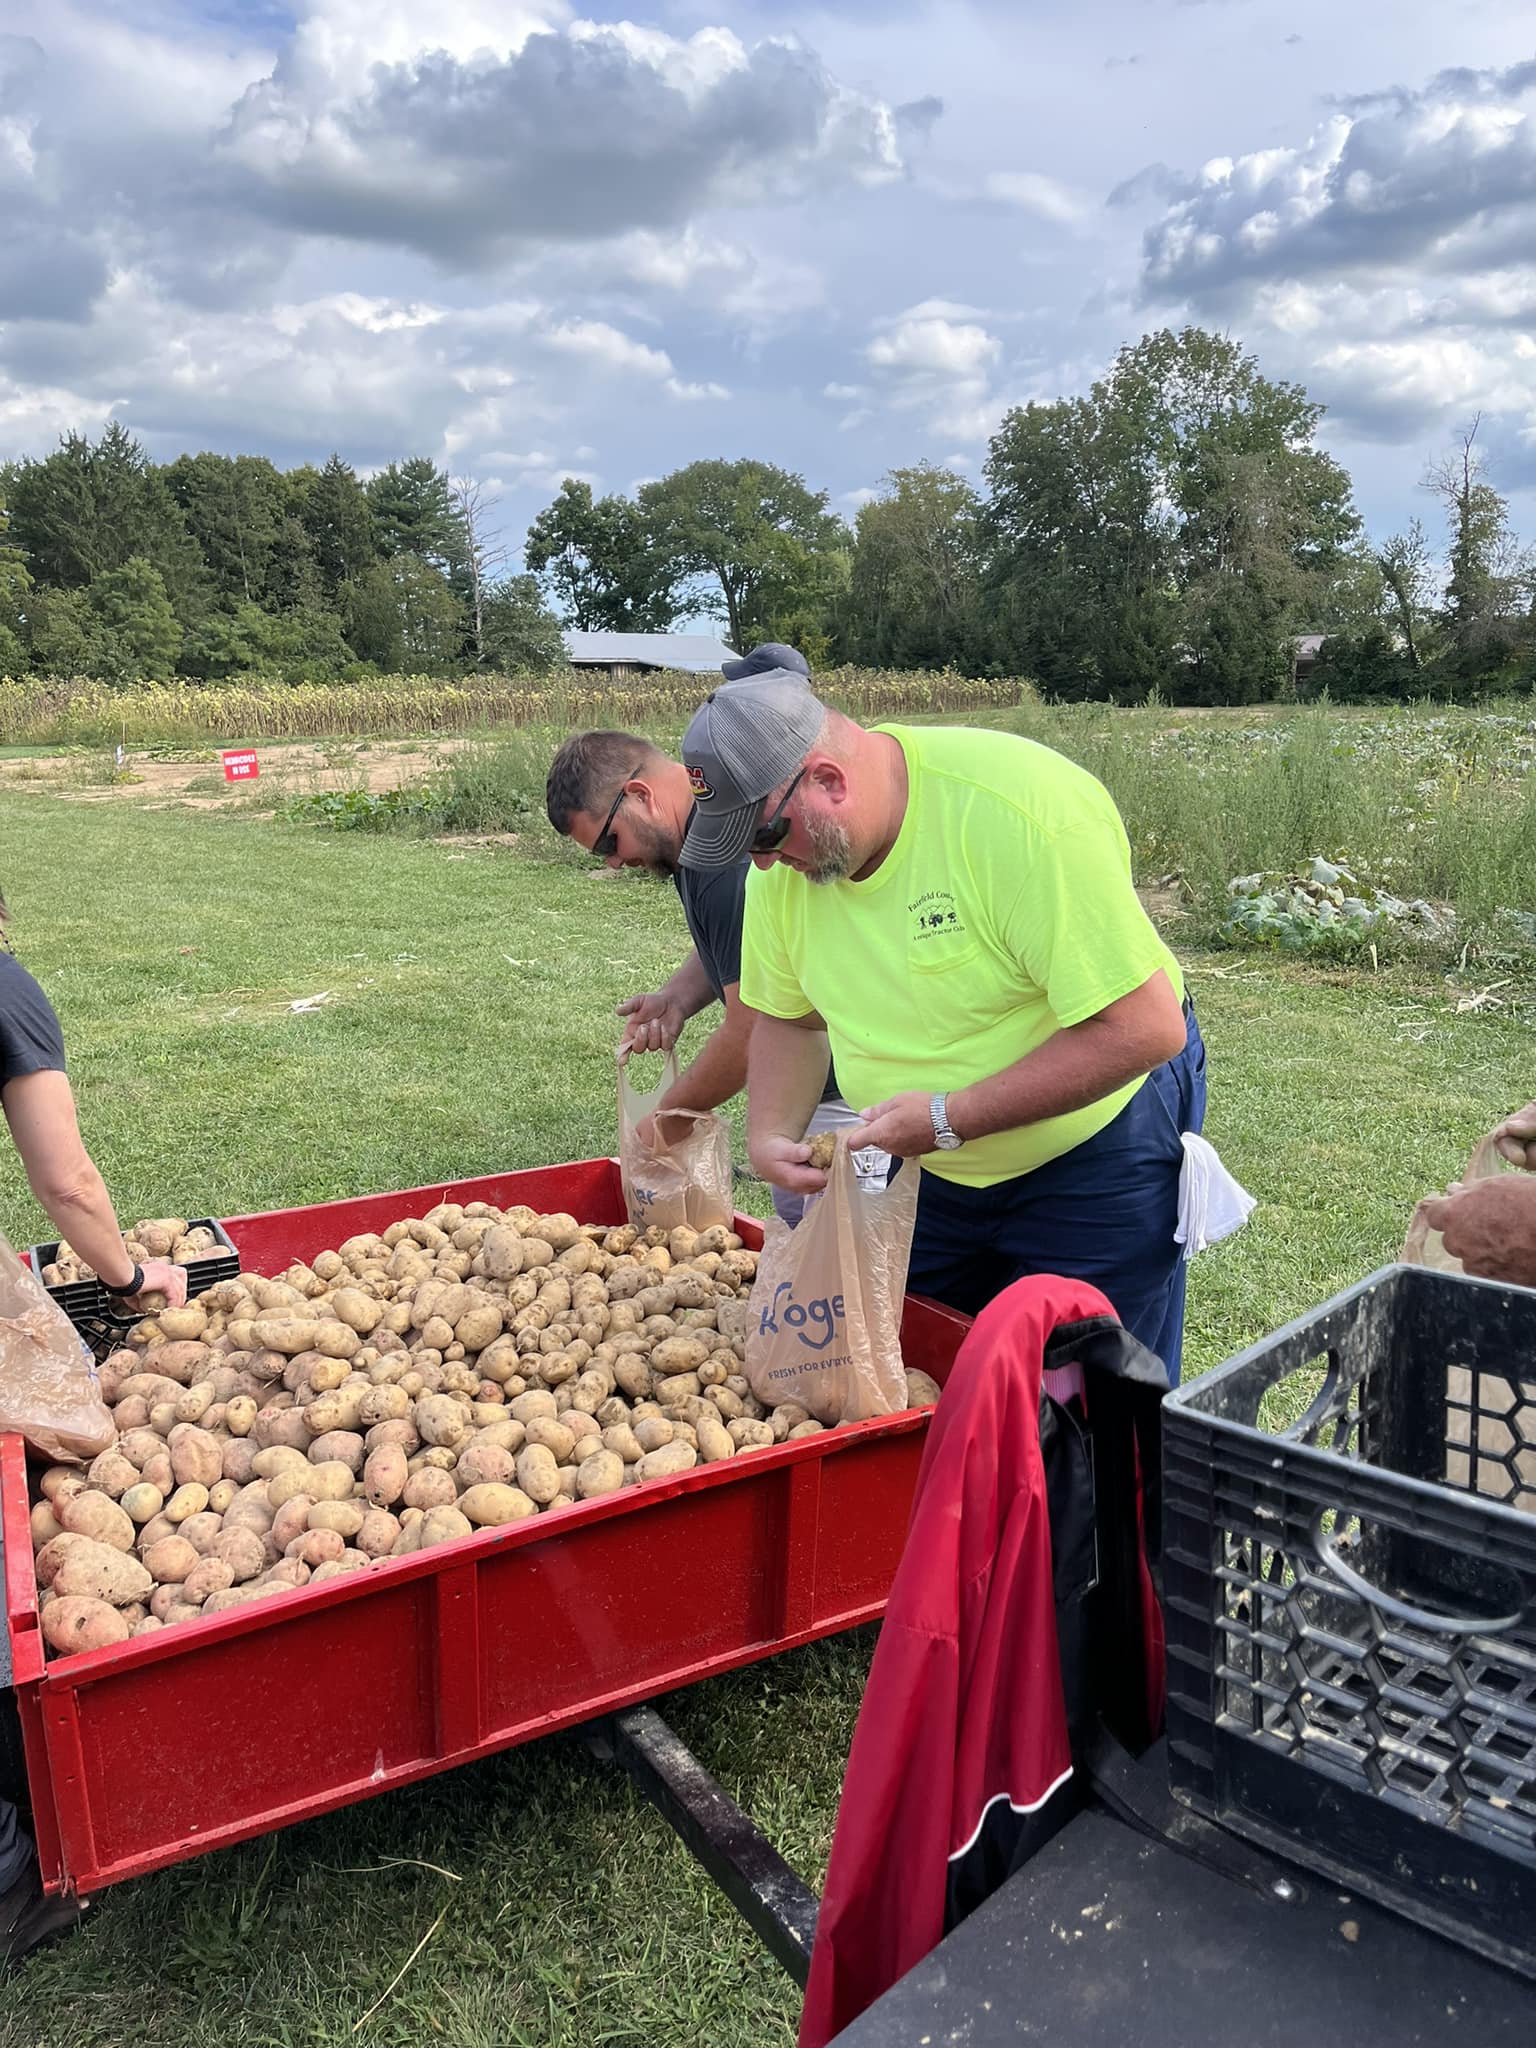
x=606 y=844
x=770 y=837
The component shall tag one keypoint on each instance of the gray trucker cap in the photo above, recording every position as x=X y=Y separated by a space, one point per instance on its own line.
x=764 y=660
x=743 y=742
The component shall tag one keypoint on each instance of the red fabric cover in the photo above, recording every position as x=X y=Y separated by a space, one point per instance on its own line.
x=964 y=1701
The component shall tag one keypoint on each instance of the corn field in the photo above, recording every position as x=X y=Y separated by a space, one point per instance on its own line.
x=79 y=711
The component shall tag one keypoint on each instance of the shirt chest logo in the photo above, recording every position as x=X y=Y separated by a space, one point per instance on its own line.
x=934 y=918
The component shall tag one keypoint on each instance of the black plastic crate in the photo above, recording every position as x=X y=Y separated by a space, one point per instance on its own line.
x=1349 y=1560
x=100 y=1317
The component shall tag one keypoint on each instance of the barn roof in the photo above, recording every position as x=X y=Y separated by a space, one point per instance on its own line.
x=696 y=652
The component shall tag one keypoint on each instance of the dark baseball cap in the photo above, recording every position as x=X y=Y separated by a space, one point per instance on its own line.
x=762 y=661
x=742 y=744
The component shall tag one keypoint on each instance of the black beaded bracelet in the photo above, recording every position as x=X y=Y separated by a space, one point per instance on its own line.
x=134 y=1285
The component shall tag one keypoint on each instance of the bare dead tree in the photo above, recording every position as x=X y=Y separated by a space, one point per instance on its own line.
x=483 y=557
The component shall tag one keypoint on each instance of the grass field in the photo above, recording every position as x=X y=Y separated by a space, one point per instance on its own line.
x=470 y=1029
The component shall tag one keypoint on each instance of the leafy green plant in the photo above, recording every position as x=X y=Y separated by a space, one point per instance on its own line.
x=362 y=810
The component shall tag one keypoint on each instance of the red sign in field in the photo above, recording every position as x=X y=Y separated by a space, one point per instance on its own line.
x=240 y=767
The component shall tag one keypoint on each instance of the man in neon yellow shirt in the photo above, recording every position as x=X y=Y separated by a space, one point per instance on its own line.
x=954 y=910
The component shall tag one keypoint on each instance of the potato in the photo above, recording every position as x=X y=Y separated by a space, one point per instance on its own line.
x=653 y=1433
x=99 y=1571
x=239 y=1415
x=672 y=1458
x=384 y=1475
x=184 y=1363
x=620 y=1439
x=150 y=1625
x=488 y=1506
x=445 y=1525
x=158 y=1474
x=441 y=1420
x=288 y=1571
x=344 y=1516
x=221 y=1496
x=481 y=1464
x=714 y=1441
x=317 y=1547
x=556 y=1438
x=99 y=1517
x=376 y=1537
x=290 y=1337
x=277 y=1458
x=208 y=1575
x=385 y=1403
x=170 y=1560
x=922 y=1392
x=185 y=1502
x=112 y=1474
x=276 y=1427
x=809 y=1428
x=53 y=1554
x=339 y=1446
x=530 y=1407
x=196 y=1457
x=602 y=1472
x=75 y=1622
x=349 y=1561
x=359 y=1311
x=430 y=1487
x=243 y=1551
x=538 y=1474
x=195 y=1403
x=201 y=1531
x=331 y=1480
x=45 y=1525
x=291 y=1520
x=747 y=1435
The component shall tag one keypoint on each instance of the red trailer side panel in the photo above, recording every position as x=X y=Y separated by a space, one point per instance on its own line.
x=431 y=1660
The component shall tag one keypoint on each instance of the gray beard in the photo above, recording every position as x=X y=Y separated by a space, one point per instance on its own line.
x=832 y=850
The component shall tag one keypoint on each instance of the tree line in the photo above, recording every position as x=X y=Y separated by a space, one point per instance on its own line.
x=1177 y=529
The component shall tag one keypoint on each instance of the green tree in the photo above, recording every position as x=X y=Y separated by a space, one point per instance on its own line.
x=61 y=628
x=15 y=594
x=1408 y=578
x=1178 y=527
x=600 y=561
x=87 y=509
x=403 y=614
x=1490 y=579
x=235 y=508
x=414 y=514
x=333 y=510
x=913 y=598
x=521 y=635
x=751 y=530
x=137 y=631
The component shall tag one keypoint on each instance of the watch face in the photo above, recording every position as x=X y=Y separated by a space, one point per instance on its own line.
x=947 y=1141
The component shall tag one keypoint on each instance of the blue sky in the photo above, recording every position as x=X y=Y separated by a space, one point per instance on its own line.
x=533 y=240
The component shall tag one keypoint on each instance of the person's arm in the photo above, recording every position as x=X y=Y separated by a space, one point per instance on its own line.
x=40 y=1109
x=720 y=1070
x=656 y=1020
x=1491 y=1227
x=786 y=1072
x=1076 y=1066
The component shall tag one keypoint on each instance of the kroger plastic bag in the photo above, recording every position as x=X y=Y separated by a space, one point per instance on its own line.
x=685 y=1176
x=1426 y=1247
x=824 y=1320
x=48 y=1386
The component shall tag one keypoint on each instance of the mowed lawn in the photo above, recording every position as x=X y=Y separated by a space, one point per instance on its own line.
x=469 y=1029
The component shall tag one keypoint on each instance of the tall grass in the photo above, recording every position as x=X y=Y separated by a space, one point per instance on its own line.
x=78 y=711
x=1441 y=808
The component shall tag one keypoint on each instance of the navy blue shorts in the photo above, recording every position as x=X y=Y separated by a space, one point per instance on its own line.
x=1104 y=1212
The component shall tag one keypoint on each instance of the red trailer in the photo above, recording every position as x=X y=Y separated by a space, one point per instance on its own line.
x=434 y=1659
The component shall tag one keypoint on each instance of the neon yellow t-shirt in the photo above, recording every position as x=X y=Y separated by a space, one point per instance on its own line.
x=1003 y=913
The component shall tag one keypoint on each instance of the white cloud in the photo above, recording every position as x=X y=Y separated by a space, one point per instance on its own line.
x=942 y=348
x=605 y=348
x=931 y=363
x=1032 y=191
x=680 y=388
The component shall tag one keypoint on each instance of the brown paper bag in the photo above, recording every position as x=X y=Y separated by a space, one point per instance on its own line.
x=824 y=1320
x=1426 y=1247
x=48 y=1386
x=685 y=1177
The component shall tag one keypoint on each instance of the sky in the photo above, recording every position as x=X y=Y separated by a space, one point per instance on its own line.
x=533 y=241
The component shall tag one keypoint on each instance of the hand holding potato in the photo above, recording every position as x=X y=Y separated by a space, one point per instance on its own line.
x=1516 y=1138
x=1490 y=1226
x=786 y=1162
x=162 y=1277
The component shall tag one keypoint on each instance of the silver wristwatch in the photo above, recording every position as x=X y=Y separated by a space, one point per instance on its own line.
x=944 y=1136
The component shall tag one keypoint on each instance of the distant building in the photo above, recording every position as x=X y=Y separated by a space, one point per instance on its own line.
x=618 y=655
x=1304 y=652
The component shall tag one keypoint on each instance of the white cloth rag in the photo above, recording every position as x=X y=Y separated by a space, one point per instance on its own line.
x=1211 y=1203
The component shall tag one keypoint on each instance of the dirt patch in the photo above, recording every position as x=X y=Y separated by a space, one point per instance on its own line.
x=288 y=768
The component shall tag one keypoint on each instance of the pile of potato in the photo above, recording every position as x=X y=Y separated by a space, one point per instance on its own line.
x=163 y=1237
x=463 y=1370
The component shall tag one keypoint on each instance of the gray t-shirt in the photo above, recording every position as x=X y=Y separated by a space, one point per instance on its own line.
x=714 y=903
x=30 y=1039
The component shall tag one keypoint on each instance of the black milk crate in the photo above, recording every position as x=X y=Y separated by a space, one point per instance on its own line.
x=1349 y=1559
x=101 y=1318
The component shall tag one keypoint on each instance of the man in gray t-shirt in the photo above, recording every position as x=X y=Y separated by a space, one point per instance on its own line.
x=626 y=802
